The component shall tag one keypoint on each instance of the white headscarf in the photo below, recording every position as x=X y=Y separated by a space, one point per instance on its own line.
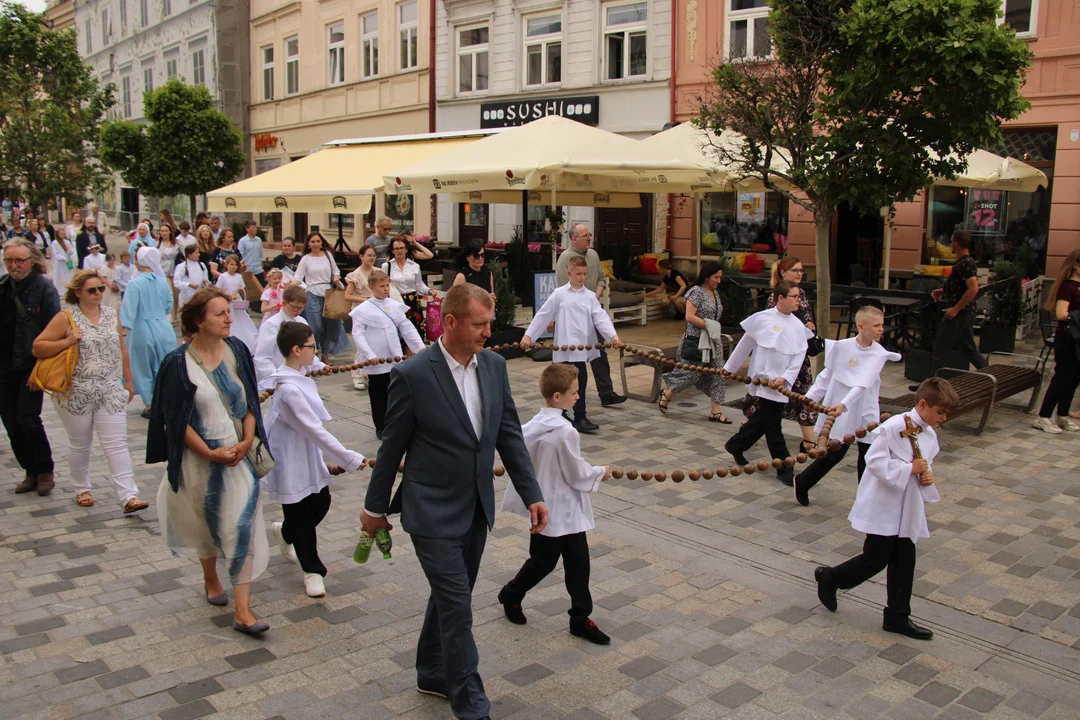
x=150 y=257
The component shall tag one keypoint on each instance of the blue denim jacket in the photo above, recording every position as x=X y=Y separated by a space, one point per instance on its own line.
x=174 y=402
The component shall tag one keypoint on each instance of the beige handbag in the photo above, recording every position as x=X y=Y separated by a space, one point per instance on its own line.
x=335 y=306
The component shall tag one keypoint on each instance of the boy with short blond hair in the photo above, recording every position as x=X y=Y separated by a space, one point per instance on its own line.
x=566 y=481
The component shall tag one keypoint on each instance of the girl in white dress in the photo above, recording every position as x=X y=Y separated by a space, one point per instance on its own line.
x=107 y=272
x=190 y=275
x=273 y=296
x=63 y=262
x=232 y=282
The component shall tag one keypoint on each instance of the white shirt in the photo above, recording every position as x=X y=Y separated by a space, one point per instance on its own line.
x=93 y=262
x=778 y=344
x=377 y=325
x=124 y=275
x=267 y=357
x=852 y=376
x=565 y=479
x=467 y=379
x=316 y=273
x=185 y=240
x=408 y=280
x=577 y=315
x=890 y=500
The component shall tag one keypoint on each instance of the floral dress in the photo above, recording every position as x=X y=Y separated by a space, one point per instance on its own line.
x=97 y=385
x=794 y=411
x=708 y=308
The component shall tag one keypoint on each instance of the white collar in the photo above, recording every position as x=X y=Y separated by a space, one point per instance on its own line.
x=914 y=414
x=454 y=364
x=570 y=288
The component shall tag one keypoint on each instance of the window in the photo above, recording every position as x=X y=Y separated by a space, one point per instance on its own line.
x=148 y=80
x=104 y=27
x=268 y=72
x=336 y=54
x=170 y=69
x=543 y=50
x=472 y=56
x=89 y=37
x=730 y=220
x=626 y=40
x=125 y=95
x=123 y=18
x=748 y=24
x=1021 y=16
x=292 y=65
x=144 y=13
x=166 y=8
x=198 y=67
x=407 y=26
x=369 y=45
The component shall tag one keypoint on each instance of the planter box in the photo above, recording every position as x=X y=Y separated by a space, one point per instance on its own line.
x=505 y=337
x=917 y=364
x=995 y=338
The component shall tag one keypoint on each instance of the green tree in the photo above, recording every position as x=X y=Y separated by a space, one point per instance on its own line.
x=51 y=109
x=866 y=101
x=186 y=147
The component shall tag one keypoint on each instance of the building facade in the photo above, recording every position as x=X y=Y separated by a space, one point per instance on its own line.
x=326 y=70
x=138 y=45
x=60 y=14
x=1047 y=136
x=504 y=62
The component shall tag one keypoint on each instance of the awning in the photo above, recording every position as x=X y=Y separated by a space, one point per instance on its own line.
x=336 y=179
x=993 y=172
x=536 y=197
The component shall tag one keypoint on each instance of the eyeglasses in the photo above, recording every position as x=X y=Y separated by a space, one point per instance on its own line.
x=297 y=308
x=309 y=345
x=797 y=270
x=95 y=290
x=13 y=261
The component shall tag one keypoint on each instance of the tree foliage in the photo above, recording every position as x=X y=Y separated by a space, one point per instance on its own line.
x=186 y=147
x=51 y=109
x=866 y=102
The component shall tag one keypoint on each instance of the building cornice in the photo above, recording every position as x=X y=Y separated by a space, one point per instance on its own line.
x=276 y=14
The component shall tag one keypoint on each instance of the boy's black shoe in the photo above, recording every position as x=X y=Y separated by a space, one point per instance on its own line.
x=801 y=495
x=378 y=434
x=612 y=399
x=786 y=475
x=512 y=610
x=589 y=631
x=434 y=691
x=906 y=627
x=739 y=457
x=913 y=388
x=826 y=590
x=584 y=425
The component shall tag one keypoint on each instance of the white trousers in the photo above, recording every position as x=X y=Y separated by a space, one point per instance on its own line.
x=112 y=434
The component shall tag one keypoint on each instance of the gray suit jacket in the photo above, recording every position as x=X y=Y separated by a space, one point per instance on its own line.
x=447 y=468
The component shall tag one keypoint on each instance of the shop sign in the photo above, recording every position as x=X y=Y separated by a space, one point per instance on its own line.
x=750 y=208
x=985 y=210
x=265 y=141
x=543 y=286
x=513 y=113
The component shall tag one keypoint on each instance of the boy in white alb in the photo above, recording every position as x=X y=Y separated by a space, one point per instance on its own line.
x=379 y=324
x=268 y=357
x=577 y=315
x=775 y=340
x=890 y=507
x=95 y=259
x=300 y=480
x=566 y=481
x=125 y=272
x=849 y=385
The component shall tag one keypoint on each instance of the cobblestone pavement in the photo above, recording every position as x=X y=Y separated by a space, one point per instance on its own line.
x=705 y=588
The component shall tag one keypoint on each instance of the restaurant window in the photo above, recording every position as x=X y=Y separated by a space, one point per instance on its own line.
x=369 y=45
x=348 y=222
x=1021 y=16
x=399 y=208
x=626 y=39
x=292 y=65
x=268 y=72
x=748 y=35
x=264 y=164
x=543 y=50
x=408 y=17
x=335 y=61
x=472 y=57
x=744 y=221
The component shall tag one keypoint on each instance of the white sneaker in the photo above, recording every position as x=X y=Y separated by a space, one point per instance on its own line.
x=1046 y=425
x=1065 y=423
x=313 y=585
x=358 y=384
x=286 y=549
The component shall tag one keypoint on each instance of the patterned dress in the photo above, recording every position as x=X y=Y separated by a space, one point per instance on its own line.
x=795 y=411
x=708 y=307
x=98 y=381
x=216 y=510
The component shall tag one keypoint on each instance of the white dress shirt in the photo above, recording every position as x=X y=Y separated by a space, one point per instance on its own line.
x=378 y=326
x=577 y=315
x=467 y=379
x=776 y=344
x=408 y=280
x=852 y=376
x=565 y=479
x=267 y=357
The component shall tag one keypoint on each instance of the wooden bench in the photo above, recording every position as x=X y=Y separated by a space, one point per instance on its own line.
x=626 y=361
x=983 y=389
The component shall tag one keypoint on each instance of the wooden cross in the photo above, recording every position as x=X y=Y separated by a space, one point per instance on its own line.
x=911 y=432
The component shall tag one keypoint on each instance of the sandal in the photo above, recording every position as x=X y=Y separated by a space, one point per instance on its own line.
x=665 y=400
x=135 y=505
x=720 y=418
x=803 y=448
x=84 y=499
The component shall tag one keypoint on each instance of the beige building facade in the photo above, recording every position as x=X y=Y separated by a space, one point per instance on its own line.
x=334 y=69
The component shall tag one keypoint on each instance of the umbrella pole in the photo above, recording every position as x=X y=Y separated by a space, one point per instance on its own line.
x=525 y=217
x=555 y=241
x=887 y=213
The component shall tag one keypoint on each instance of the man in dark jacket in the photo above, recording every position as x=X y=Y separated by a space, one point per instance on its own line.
x=28 y=301
x=87 y=237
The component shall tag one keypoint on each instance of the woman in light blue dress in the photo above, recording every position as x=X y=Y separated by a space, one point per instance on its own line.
x=144 y=313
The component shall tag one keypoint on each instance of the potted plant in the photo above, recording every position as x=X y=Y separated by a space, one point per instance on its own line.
x=919 y=356
x=735 y=298
x=998 y=331
x=503 y=330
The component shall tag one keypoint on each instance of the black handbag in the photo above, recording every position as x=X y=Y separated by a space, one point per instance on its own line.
x=815 y=346
x=689 y=350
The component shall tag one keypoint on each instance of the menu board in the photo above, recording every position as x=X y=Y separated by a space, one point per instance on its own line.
x=986 y=211
x=750 y=207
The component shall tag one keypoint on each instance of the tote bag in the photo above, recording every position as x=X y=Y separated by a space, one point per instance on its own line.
x=53 y=375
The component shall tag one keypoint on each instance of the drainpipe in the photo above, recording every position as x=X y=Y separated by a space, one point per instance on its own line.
x=671 y=85
x=431 y=68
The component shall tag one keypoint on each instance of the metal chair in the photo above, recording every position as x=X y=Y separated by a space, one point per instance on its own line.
x=1047 y=327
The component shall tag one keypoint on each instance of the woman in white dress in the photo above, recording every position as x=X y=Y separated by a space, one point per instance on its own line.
x=63 y=262
x=190 y=275
x=170 y=253
x=232 y=283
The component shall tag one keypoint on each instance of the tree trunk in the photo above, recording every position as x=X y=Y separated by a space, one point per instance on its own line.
x=823 y=314
x=191 y=199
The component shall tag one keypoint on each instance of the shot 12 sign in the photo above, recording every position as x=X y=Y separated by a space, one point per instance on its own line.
x=986 y=210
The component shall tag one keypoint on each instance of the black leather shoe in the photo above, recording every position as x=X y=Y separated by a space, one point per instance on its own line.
x=906 y=627
x=913 y=388
x=786 y=476
x=612 y=399
x=590 y=632
x=513 y=610
x=584 y=425
x=801 y=495
x=739 y=457
x=826 y=590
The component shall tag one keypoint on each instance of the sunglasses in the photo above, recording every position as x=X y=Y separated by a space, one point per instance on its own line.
x=94 y=290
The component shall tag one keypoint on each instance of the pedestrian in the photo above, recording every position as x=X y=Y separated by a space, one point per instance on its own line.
x=1063 y=302
x=379 y=325
x=63 y=262
x=405 y=275
x=449 y=407
x=16 y=230
x=471 y=269
x=226 y=246
x=89 y=236
x=185 y=238
x=578 y=317
x=28 y=302
x=206 y=389
x=267 y=356
x=849 y=386
x=566 y=481
x=36 y=234
x=271 y=299
x=775 y=339
x=96 y=260
x=251 y=251
x=71 y=232
x=357 y=290
x=101 y=220
x=672 y=289
x=125 y=273
x=170 y=255
x=190 y=275
x=232 y=284
x=596 y=282
x=140 y=239
x=289 y=260
x=144 y=313
x=890 y=507
x=319 y=273
x=380 y=240
x=703 y=312
x=300 y=480
x=215 y=227
x=165 y=217
x=790 y=268
x=107 y=273
x=101 y=388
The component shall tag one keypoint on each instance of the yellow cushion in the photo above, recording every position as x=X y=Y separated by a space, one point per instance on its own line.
x=606 y=264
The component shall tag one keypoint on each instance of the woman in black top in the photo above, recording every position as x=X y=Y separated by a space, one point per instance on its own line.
x=471 y=269
x=1064 y=299
x=673 y=288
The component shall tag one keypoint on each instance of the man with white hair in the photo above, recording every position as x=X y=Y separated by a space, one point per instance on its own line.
x=100 y=218
x=380 y=240
x=595 y=280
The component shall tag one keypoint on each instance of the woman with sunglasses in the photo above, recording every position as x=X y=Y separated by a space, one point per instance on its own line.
x=101 y=387
x=471 y=269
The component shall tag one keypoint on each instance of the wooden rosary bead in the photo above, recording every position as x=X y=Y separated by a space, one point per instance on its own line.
x=397 y=358
x=860 y=432
x=748 y=380
x=763 y=465
x=777 y=463
x=499 y=470
x=660 y=476
x=885 y=416
x=721 y=472
x=631 y=474
x=677 y=476
x=789 y=461
x=813 y=454
x=834 y=445
x=757 y=381
x=706 y=474
x=616 y=473
x=749 y=468
x=800 y=458
x=871 y=426
x=849 y=439
x=736 y=471
x=693 y=475
x=646 y=475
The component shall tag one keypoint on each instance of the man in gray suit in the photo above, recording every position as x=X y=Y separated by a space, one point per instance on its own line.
x=449 y=409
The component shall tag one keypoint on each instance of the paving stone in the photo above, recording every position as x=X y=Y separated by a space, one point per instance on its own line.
x=729 y=625
x=116 y=633
x=795 y=662
x=82 y=671
x=615 y=601
x=937 y=694
x=642 y=667
x=528 y=675
x=1029 y=703
x=793 y=615
x=833 y=667
x=661 y=708
x=121 y=677
x=53 y=587
x=633 y=564
x=584 y=714
x=735 y=695
x=78 y=572
x=981 y=700
x=715 y=655
x=631 y=631
x=898 y=653
x=22 y=643
x=1009 y=607
x=191 y=692
x=506 y=706
x=1022 y=570
x=250 y=658
x=915 y=673
x=1046 y=610
x=190 y=711
x=40 y=626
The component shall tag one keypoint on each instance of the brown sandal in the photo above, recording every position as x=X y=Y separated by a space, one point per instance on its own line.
x=135 y=505
x=84 y=499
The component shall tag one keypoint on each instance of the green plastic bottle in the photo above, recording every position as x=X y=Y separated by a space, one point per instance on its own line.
x=363 y=548
x=383 y=542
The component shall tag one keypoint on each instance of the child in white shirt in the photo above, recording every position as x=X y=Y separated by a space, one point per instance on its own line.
x=107 y=273
x=890 y=507
x=849 y=385
x=777 y=341
x=577 y=315
x=300 y=480
x=95 y=259
x=125 y=273
x=566 y=481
